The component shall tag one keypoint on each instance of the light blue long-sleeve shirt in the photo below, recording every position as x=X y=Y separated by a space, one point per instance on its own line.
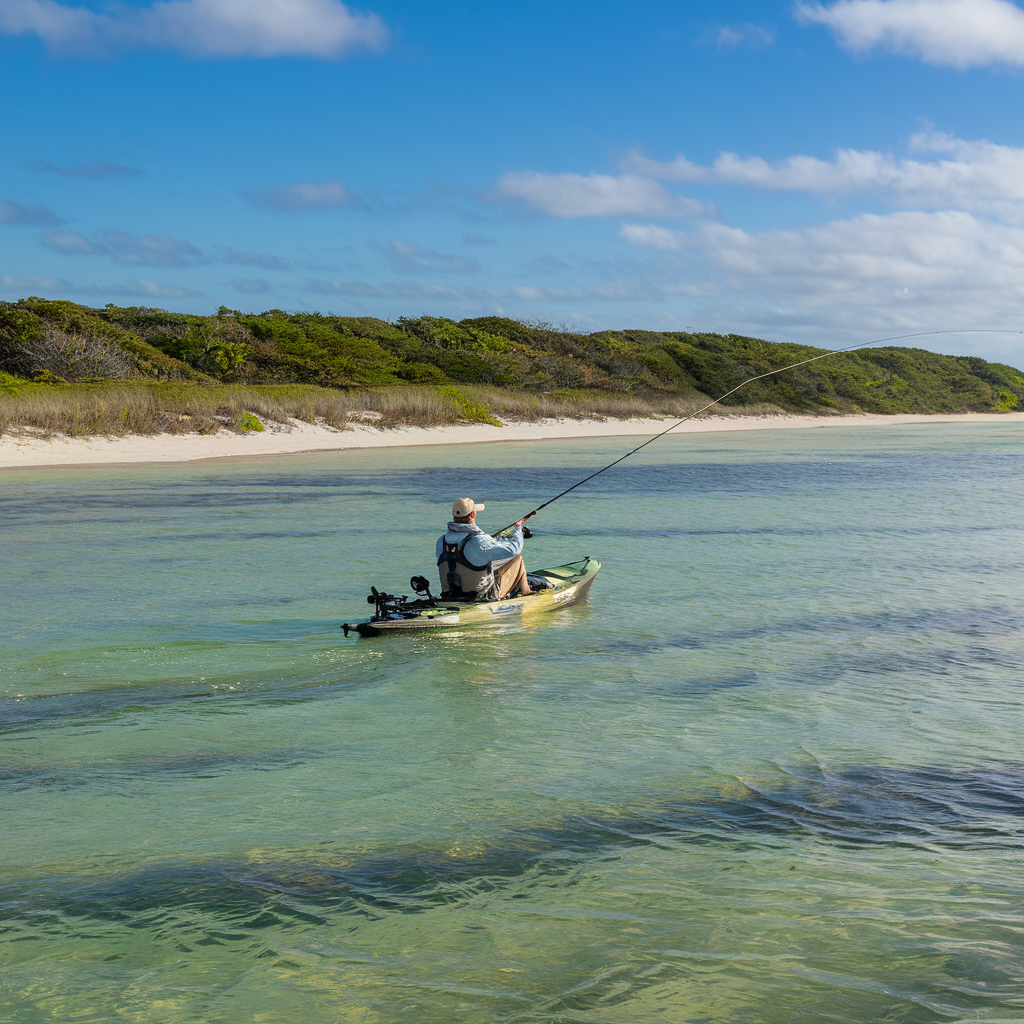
x=481 y=547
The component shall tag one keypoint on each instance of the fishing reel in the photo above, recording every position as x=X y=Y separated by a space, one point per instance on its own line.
x=385 y=603
x=527 y=532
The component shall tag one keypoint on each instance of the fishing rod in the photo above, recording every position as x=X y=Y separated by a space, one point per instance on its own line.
x=749 y=380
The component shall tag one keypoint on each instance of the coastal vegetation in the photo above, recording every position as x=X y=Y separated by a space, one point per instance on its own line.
x=71 y=369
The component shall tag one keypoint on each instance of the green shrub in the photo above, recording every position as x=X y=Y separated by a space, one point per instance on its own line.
x=467 y=409
x=277 y=348
x=249 y=422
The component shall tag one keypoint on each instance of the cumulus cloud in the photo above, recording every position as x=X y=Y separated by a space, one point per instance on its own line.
x=17 y=213
x=151 y=250
x=753 y=36
x=541 y=293
x=545 y=264
x=267 y=261
x=871 y=273
x=251 y=286
x=952 y=33
x=910 y=249
x=201 y=28
x=408 y=258
x=91 y=169
x=594 y=195
x=405 y=290
x=72 y=243
x=966 y=174
x=140 y=287
x=652 y=236
x=155 y=250
x=35 y=284
x=623 y=290
x=301 y=195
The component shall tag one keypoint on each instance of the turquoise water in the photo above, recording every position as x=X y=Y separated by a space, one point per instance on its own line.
x=772 y=771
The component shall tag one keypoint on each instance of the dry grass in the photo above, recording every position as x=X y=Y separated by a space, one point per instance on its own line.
x=582 y=405
x=177 y=408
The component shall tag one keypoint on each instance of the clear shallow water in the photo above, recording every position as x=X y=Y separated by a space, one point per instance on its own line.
x=773 y=771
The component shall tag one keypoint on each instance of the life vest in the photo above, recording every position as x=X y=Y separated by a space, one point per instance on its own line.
x=457 y=572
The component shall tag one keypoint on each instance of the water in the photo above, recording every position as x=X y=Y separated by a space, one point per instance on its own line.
x=772 y=771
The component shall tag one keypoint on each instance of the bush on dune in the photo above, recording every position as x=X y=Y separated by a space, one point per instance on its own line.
x=434 y=369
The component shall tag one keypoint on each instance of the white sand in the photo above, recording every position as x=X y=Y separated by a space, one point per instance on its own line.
x=28 y=451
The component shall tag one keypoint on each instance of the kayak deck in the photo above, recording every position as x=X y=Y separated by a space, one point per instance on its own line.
x=567 y=585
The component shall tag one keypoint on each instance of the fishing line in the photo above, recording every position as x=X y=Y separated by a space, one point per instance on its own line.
x=750 y=380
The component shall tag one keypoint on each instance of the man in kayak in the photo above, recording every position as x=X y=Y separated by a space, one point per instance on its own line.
x=466 y=557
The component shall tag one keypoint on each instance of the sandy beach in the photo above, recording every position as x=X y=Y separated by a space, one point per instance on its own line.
x=27 y=452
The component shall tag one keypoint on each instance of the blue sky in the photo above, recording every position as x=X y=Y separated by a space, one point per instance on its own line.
x=820 y=172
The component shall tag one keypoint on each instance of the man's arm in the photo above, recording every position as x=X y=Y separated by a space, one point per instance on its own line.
x=489 y=549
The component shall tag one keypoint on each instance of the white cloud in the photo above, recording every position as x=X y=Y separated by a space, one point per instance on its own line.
x=72 y=243
x=404 y=290
x=155 y=250
x=202 y=28
x=408 y=258
x=17 y=213
x=953 y=33
x=539 y=293
x=252 y=286
x=854 y=278
x=651 y=236
x=594 y=195
x=972 y=173
x=151 y=250
x=906 y=250
x=747 y=34
x=35 y=284
x=606 y=291
x=225 y=254
x=301 y=195
x=143 y=287
x=50 y=287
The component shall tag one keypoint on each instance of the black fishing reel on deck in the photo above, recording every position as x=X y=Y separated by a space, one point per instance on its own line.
x=398 y=606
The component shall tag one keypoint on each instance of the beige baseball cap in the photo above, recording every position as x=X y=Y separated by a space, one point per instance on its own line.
x=464 y=506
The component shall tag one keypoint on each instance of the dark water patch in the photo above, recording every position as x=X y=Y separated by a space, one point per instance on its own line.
x=117 y=502
x=671 y=532
x=917 y=809
x=261 y=601
x=938 y=658
x=700 y=480
x=89 y=708
x=839 y=666
x=992 y=620
x=695 y=687
x=115 y=776
x=762 y=475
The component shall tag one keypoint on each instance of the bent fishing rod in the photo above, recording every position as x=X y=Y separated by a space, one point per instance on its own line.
x=732 y=391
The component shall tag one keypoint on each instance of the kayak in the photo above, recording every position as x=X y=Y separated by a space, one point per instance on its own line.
x=559 y=587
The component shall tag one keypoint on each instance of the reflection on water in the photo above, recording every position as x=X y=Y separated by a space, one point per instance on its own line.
x=770 y=772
